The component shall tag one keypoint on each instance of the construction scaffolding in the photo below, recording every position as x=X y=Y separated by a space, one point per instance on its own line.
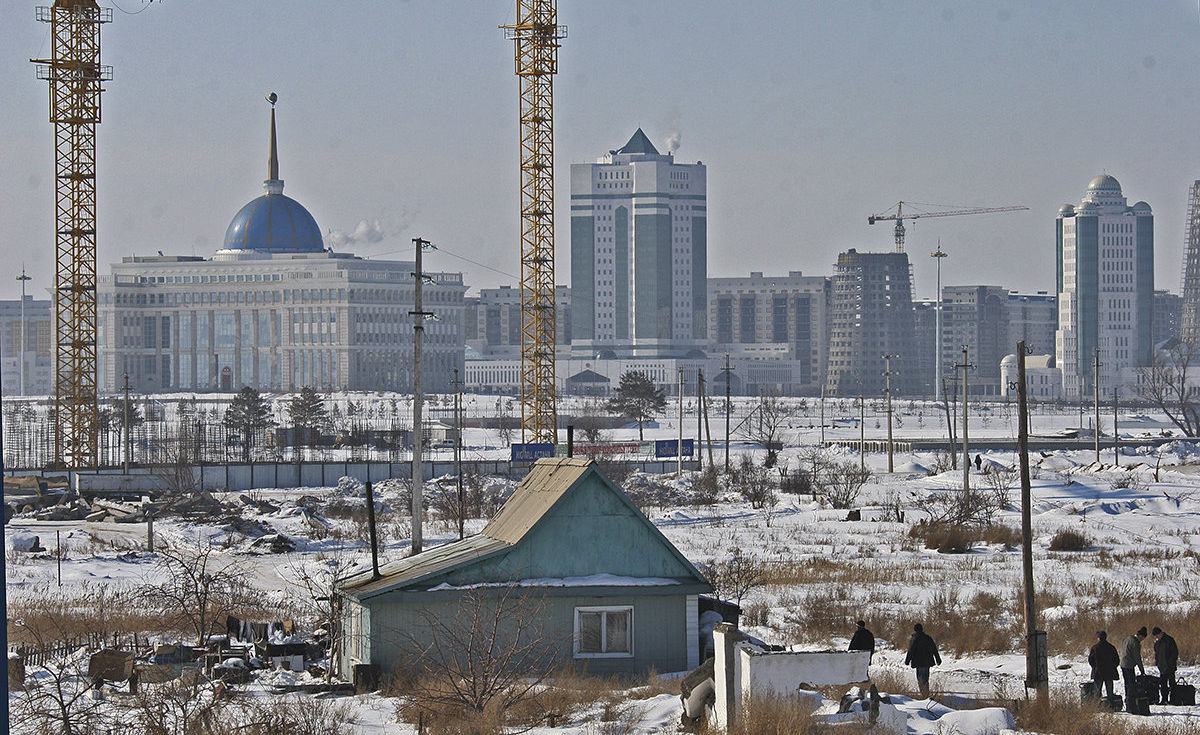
x=1189 y=326
x=75 y=75
x=536 y=34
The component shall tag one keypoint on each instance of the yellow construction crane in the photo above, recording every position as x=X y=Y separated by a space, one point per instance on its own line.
x=897 y=213
x=75 y=75
x=537 y=34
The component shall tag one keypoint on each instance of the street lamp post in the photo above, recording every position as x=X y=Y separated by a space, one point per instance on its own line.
x=937 y=255
x=24 y=329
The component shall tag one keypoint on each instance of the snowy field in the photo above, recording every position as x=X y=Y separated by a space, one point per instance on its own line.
x=814 y=571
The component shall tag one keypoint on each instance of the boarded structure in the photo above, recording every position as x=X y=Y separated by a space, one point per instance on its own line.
x=610 y=592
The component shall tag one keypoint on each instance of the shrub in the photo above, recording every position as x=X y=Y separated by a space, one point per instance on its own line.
x=1008 y=536
x=843 y=481
x=947 y=538
x=1069 y=540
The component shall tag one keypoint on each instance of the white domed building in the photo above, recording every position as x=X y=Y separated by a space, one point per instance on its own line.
x=1105 y=285
x=273 y=309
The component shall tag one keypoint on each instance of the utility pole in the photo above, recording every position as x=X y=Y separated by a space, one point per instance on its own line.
x=1096 y=387
x=679 y=445
x=699 y=454
x=728 y=408
x=462 y=504
x=822 y=414
x=950 y=422
x=1035 y=652
x=1116 y=436
x=937 y=255
x=862 y=433
x=418 y=474
x=888 y=390
x=966 y=450
x=707 y=426
x=125 y=425
x=24 y=330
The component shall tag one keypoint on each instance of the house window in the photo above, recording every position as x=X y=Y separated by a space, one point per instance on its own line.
x=603 y=632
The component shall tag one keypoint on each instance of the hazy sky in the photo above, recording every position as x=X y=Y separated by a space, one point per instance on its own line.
x=809 y=116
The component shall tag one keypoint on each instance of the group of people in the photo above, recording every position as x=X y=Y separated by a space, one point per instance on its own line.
x=1105 y=661
x=922 y=651
x=1103 y=657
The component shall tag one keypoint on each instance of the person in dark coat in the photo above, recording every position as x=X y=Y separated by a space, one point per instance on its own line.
x=1104 y=660
x=1166 y=658
x=862 y=640
x=922 y=655
x=1131 y=661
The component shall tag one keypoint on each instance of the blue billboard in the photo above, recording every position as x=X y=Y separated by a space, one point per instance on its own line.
x=531 y=452
x=664 y=448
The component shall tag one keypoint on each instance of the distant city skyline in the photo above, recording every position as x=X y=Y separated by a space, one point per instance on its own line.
x=807 y=117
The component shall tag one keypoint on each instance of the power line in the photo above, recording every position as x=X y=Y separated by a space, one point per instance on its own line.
x=454 y=255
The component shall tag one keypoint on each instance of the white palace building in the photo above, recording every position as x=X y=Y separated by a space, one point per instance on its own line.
x=273 y=309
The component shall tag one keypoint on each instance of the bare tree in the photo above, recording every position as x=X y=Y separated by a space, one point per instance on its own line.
x=198 y=589
x=765 y=423
x=315 y=590
x=591 y=421
x=492 y=651
x=1165 y=383
x=736 y=576
x=842 y=482
x=756 y=484
x=58 y=699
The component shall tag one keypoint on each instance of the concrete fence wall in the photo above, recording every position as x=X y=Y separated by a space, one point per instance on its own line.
x=259 y=475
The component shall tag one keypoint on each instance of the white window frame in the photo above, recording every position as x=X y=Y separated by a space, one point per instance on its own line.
x=606 y=609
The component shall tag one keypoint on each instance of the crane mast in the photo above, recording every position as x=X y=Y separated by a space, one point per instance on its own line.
x=75 y=75
x=536 y=34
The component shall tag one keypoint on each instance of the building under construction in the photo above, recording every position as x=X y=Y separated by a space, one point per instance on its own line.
x=871 y=316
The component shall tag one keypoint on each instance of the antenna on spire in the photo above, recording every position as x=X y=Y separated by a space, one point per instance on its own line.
x=273 y=184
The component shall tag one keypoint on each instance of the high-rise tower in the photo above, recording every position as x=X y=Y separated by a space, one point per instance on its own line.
x=639 y=254
x=1105 y=279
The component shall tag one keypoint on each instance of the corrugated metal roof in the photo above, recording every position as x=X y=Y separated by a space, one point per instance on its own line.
x=538 y=492
x=546 y=482
x=426 y=564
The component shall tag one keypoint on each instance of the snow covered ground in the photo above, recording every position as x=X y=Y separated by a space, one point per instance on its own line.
x=822 y=571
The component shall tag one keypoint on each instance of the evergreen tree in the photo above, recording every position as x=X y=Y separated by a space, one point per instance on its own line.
x=248 y=414
x=636 y=398
x=306 y=411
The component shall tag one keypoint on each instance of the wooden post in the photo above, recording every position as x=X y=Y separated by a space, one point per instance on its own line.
x=1035 y=662
x=679 y=444
x=1116 y=436
x=888 y=389
x=728 y=408
x=965 y=448
x=371 y=531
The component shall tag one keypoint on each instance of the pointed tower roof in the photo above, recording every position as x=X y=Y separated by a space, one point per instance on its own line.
x=273 y=184
x=274 y=223
x=639 y=143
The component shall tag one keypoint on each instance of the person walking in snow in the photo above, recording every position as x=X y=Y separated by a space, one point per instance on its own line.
x=1131 y=659
x=1166 y=658
x=922 y=655
x=863 y=640
x=1104 y=660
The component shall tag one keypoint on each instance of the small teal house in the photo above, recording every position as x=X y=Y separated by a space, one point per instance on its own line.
x=615 y=596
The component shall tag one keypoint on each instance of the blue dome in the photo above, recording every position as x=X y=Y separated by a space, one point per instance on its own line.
x=274 y=223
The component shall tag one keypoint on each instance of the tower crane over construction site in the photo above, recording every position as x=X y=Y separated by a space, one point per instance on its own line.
x=899 y=214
